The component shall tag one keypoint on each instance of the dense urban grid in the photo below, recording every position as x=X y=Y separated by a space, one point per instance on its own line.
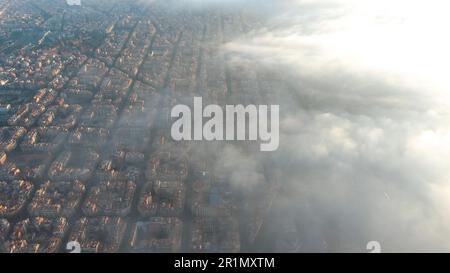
x=85 y=148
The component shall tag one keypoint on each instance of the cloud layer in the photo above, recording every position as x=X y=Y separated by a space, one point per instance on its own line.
x=366 y=127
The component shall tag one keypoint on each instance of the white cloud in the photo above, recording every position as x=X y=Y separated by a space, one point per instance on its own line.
x=365 y=143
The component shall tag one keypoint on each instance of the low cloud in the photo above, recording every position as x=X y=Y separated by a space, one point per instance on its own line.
x=365 y=131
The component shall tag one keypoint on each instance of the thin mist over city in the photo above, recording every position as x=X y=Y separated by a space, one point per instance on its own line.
x=93 y=91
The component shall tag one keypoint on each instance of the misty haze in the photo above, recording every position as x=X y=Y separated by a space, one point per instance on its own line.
x=87 y=156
